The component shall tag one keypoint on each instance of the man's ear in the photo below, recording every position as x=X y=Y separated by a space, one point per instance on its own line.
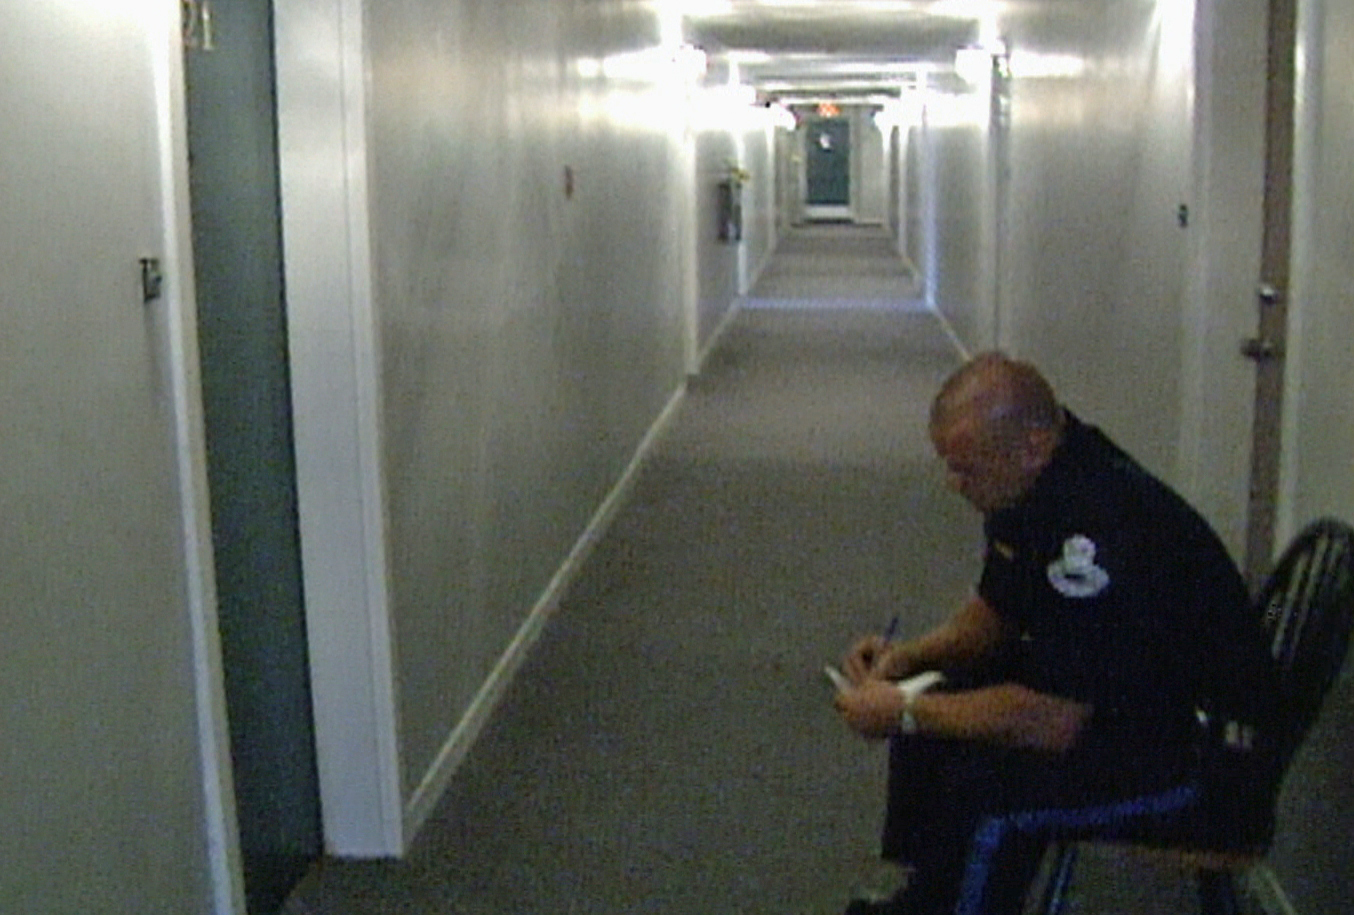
x=1039 y=445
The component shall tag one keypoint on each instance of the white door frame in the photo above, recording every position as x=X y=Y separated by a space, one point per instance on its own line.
x=1273 y=290
x=335 y=371
x=166 y=46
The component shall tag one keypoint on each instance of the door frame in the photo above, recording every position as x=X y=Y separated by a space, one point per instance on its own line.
x=1272 y=293
x=165 y=44
x=336 y=394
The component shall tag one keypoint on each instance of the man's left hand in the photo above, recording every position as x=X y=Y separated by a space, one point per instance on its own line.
x=872 y=708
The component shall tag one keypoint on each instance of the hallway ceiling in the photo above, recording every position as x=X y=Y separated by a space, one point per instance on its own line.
x=839 y=48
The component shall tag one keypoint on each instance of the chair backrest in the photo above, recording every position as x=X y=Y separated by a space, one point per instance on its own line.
x=1307 y=608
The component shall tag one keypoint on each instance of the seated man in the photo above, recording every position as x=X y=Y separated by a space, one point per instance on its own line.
x=1108 y=677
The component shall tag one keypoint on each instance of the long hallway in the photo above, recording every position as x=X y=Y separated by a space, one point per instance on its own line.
x=349 y=374
x=669 y=747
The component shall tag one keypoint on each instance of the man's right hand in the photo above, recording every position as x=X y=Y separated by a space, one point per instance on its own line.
x=869 y=658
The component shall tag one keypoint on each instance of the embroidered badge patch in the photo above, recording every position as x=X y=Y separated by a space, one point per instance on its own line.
x=1075 y=573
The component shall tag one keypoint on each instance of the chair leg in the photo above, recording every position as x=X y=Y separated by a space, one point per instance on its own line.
x=1055 y=894
x=1217 y=893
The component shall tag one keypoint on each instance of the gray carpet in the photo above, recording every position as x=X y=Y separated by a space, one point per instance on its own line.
x=669 y=747
x=835 y=265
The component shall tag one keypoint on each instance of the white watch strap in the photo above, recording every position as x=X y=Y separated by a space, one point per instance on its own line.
x=911 y=688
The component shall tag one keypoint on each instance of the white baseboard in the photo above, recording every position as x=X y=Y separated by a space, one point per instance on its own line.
x=720 y=329
x=463 y=736
x=946 y=326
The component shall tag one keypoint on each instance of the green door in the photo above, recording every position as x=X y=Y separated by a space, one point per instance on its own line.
x=827 y=165
x=251 y=472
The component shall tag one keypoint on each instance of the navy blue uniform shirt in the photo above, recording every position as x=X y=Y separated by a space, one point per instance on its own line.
x=1126 y=600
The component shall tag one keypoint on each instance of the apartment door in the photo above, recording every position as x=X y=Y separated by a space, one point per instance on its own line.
x=827 y=169
x=251 y=472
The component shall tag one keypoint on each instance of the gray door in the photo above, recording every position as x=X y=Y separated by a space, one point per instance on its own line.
x=251 y=472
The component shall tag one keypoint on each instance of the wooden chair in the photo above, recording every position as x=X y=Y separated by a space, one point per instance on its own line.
x=1307 y=607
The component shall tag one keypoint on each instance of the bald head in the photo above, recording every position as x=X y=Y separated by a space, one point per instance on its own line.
x=1001 y=396
x=996 y=424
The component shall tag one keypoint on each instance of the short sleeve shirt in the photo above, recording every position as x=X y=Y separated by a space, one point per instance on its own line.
x=1122 y=595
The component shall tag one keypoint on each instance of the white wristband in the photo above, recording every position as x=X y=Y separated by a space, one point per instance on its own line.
x=910 y=689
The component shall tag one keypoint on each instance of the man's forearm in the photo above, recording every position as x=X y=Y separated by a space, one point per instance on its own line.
x=1007 y=714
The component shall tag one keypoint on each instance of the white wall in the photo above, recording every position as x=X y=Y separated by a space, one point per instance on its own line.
x=914 y=197
x=1313 y=856
x=106 y=581
x=717 y=275
x=788 y=198
x=527 y=340
x=903 y=190
x=1093 y=262
x=494 y=297
x=1225 y=234
x=1319 y=440
x=958 y=243
x=869 y=172
x=760 y=231
x=896 y=189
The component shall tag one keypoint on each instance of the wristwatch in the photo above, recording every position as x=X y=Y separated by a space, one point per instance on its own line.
x=910 y=689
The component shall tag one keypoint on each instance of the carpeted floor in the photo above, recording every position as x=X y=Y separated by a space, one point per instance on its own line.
x=669 y=747
x=836 y=265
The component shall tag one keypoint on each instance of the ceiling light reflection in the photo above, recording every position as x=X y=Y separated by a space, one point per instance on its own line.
x=681 y=65
x=974 y=65
x=1033 y=65
x=977 y=10
x=904 y=113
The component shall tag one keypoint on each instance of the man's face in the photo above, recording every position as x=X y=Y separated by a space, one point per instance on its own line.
x=989 y=473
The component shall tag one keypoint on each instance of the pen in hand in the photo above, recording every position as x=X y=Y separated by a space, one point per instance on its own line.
x=840 y=681
x=890 y=631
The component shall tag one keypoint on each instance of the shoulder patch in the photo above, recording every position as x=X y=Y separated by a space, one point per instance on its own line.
x=1075 y=574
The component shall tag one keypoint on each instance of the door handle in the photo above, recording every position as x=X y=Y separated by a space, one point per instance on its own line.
x=152 y=279
x=1259 y=349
